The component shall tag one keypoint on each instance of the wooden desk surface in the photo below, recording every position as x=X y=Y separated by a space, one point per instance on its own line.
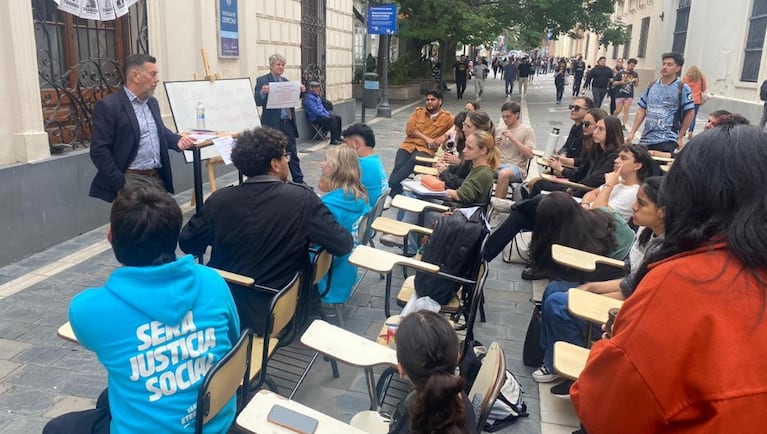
x=662 y=159
x=565 y=182
x=589 y=306
x=428 y=160
x=415 y=205
x=381 y=261
x=398 y=228
x=425 y=170
x=346 y=346
x=569 y=359
x=65 y=332
x=253 y=417
x=580 y=260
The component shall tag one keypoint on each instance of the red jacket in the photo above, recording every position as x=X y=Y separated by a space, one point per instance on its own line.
x=687 y=353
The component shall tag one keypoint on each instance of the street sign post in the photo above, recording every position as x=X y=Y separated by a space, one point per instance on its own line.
x=382 y=19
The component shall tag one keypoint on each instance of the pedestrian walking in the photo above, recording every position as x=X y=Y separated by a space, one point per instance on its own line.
x=559 y=82
x=697 y=82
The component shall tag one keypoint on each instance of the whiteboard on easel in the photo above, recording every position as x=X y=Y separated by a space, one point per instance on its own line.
x=229 y=106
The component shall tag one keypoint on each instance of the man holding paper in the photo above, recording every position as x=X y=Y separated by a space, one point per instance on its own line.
x=129 y=142
x=280 y=118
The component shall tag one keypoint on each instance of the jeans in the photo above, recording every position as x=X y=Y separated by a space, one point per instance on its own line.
x=295 y=163
x=557 y=322
x=692 y=124
x=509 y=87
x=560 y=92
x=599 y=95
x=460 y=87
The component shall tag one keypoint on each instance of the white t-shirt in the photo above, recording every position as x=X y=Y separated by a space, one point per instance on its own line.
x=622 y=199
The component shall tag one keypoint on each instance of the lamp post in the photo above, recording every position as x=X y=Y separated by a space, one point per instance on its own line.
x=384 y=110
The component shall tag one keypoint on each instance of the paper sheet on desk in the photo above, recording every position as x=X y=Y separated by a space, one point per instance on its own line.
x=417 y=188
x=224 y=146
x=284 y=94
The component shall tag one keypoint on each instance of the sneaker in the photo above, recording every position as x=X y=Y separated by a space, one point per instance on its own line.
x=562 y=390
x=501 y=205
x=387 y=202
x=392 y=240
x=543 y=375
x=534 y=273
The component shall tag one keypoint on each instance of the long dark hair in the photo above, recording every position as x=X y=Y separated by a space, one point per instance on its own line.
x=460 y=137
x=588 y=148
x=561 y=220
x=650 y=187
x=427 y=349
x=714 y=193
x=614 y=134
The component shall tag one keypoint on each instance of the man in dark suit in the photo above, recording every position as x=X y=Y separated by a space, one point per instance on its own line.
x=280 y=119
x=129 y=142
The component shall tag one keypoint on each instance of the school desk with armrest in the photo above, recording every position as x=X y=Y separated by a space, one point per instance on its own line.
x=566 y=182
x=415 y=205
x=399 y=229
x=425 y=170
x=381 y=261
x=581 y=260
x=65 y=332
x=425 y=159
x=569 y=359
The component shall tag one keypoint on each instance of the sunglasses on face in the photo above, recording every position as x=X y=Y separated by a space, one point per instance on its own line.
x=587 y=124
x=575 y=108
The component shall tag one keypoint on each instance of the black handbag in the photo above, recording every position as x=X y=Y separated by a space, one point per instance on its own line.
x=532 y=353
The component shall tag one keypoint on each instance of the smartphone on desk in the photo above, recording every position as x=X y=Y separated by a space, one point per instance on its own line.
x=292 y=420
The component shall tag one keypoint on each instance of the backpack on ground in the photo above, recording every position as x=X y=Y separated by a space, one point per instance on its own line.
x=509 y=406
x=454 y=246
x=763 y=91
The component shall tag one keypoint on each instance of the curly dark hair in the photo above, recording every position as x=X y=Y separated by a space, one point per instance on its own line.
x=256 y=148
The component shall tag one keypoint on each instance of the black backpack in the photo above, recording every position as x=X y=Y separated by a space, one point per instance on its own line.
x=455 y=246
x=763 y=91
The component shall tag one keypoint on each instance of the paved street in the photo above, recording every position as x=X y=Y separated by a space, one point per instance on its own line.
x=42 y=376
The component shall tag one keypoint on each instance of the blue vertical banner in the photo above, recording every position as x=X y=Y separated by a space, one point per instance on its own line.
x=228 y=33
x=382 y=19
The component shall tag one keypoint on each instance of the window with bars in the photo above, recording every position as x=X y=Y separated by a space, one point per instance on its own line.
x=313 y=41
x=627 y=45
x=755 y=41
x=680 y=28
x=643 y=33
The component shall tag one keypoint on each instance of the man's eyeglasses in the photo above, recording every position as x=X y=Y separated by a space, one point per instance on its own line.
x=286 y=156
x=575 y=108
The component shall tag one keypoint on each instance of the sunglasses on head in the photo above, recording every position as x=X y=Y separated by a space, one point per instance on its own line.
x=575 y=107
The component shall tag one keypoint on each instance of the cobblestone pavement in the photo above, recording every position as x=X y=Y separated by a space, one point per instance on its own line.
x=42 y=376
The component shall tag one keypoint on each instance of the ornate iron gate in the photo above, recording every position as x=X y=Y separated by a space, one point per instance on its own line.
x=313 y=46
x=80 y=62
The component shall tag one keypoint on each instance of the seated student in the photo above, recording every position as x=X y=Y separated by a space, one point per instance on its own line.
x=516 y=142
x=632 y=166
x=262 y=228
x=140 y=321
x=570 y=153
x=452 y=167
x=608 y=137
x=316 y=113
x=361 y=138
x=481 y=155
x=427 y=353
x=686 y=352
x=347 y=200
x=559 y=325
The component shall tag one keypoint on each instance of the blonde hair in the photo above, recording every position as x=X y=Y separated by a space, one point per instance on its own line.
x=345 y=166
x=693 y=73
x=486 y=140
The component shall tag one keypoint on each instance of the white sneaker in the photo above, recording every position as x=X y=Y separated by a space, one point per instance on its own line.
x=392 y=240
x=501 y=205
x=387 y=202
x=543 y=375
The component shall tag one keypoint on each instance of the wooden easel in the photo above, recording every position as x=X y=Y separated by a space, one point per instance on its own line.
x=211 y=163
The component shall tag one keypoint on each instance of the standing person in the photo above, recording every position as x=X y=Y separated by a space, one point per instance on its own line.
x=699 y=302
x=461 y=68
x=361 y=138
x=510 y=76
x=427 y=354
x=668 y=107
x=624 y=82
x=262 y=228
x=427 y=129
x=618 y=68
x=157 y=325
x=523 y=74
x=559 y=83
x=697 y=83
x=496 y=66
x=579 y=67
x=516 y=141
x=316 y=113
x=280 y=119
x=599 y=79
x=480 y=75
x=129 y=142
x=347 y=200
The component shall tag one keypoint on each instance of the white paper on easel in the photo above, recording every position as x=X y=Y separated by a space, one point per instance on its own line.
x=284 y=94
x=224 y=146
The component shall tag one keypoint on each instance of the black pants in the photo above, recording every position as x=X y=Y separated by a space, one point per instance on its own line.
x=332 y=124
x=577 y=85
x=663 y=147
x=295 y=163
x=546 y=185
x=522 y=217
x=560 y=92
x=94 y=421
x=404 y=163
x=599 y=95
x=460 y=87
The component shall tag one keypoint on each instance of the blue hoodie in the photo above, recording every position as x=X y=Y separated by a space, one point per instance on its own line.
x=348 y=212
x=157 y=330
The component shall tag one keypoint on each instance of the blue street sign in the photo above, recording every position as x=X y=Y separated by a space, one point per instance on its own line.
x=382 y=19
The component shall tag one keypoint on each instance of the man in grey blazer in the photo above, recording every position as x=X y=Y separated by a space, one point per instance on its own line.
x=280 y=119
x=129 y=142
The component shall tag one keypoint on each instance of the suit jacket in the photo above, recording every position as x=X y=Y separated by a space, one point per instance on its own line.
x=115 y=140
x=271 y=117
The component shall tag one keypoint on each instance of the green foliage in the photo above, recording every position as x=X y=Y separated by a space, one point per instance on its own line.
x=404 y=69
